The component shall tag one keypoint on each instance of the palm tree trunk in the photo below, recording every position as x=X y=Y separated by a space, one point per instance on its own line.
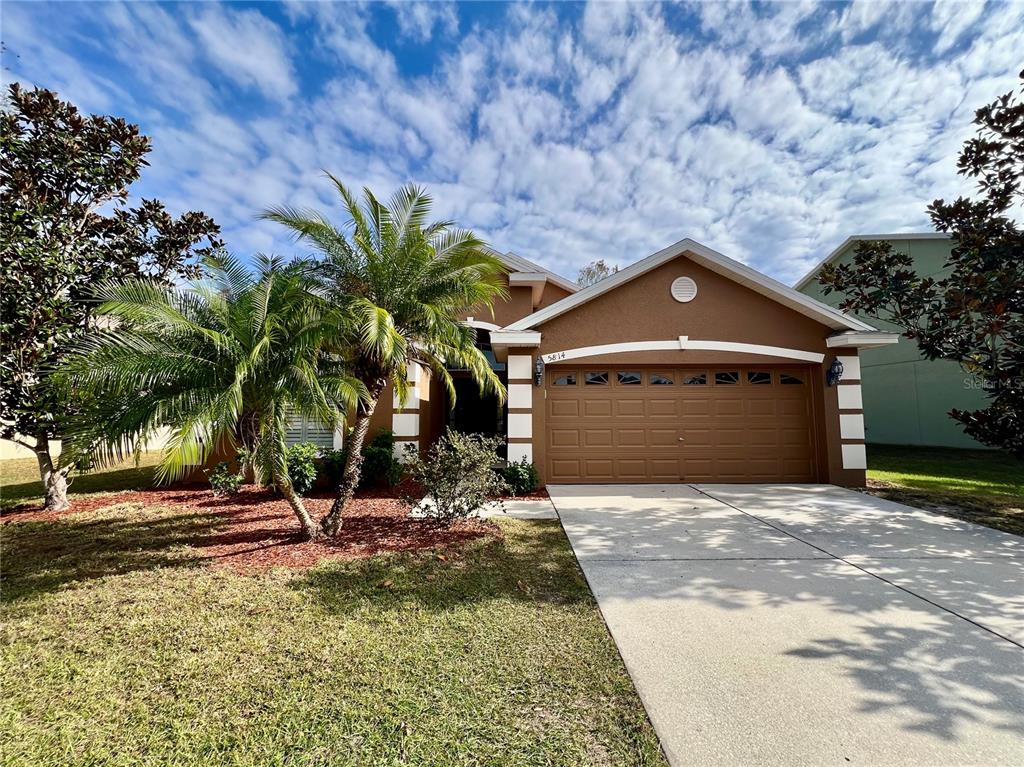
x=55 y=481
x=331 y=523
x=274 y=470
x=309 y=527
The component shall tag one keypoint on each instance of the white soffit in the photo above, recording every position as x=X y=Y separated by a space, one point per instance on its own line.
x=519 y=264
x=862 y=340
x=515 y=338
x=714 y=261
x=533 y=280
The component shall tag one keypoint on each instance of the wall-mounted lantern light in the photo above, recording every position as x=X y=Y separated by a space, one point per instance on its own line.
x=835 y=372
x=538 y=372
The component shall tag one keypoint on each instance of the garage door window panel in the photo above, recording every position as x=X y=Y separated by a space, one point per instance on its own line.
x=759 y=377
x=569 y=379
x=788 y=379
x=596 y=378
x=695 y=379
x=727 y=378
x=628 y=378
x=661 y=379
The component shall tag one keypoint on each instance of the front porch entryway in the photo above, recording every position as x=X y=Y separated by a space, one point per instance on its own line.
x=474 y=412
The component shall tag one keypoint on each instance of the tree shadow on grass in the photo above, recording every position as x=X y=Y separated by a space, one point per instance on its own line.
x=532 y=563
x=41 y=557
x=255 y=531
x=131 y=478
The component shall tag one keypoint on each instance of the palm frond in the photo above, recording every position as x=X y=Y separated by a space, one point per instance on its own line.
x=209 y=360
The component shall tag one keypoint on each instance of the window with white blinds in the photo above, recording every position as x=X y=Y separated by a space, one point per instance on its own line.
x=305 y=430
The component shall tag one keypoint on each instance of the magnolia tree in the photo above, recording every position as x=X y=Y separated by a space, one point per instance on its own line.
x=66 y=225
x=975 y=314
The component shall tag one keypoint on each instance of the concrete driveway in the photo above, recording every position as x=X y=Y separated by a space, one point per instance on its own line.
x=807 y=624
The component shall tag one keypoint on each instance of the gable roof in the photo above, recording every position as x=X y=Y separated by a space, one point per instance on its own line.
x=519 y=264
x=716 y=262
x=802 y=282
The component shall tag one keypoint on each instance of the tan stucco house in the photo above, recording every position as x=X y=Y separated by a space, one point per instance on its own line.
x=686 y=366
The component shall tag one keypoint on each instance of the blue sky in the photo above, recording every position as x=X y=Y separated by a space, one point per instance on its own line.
x=563 y=132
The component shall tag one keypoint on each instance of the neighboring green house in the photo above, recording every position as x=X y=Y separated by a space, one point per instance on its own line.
x=907 y=398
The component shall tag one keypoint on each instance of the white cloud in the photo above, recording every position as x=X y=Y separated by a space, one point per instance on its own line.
x=418 y=20
x=769 y=132
x=247 y=47
x=951 y=18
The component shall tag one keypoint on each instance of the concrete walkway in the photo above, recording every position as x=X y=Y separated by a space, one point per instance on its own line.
x=521 y=508
x=807 y=625
x=513 y=508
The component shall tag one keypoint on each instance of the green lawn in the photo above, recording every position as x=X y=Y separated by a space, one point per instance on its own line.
x=19 y=479
x=119 y=647
x=978 y=485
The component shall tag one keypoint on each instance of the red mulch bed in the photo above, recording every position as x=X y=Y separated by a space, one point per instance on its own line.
x=258 y=530
x=533 y=495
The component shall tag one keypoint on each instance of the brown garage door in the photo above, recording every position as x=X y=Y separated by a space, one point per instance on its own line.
x=718 y=424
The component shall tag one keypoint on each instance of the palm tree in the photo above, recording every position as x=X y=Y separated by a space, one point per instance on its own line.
x=225 y=362
x=403 y=284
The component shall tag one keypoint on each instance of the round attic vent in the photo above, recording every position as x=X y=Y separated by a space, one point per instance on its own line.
x=684 y=289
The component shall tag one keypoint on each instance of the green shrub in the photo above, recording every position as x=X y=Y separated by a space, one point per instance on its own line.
x=458 y=475
x=301 y=459
x=332 y=465
x=224 y=480
x=380 y=467
x=522 y=477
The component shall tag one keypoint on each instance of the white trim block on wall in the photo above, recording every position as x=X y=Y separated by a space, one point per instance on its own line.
x=855 y=457
x=520 y=425
x=850 y=397
x=851 y=367
x=851 y=425
x=520 y=366
x=399 y=450
x=405 y=424
x=520 y=396
x=413 y=372
x=412 y=400
x=517 y=451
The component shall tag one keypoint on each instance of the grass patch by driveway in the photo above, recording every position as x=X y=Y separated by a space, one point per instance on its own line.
x=119 y=646
x=983 y=486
